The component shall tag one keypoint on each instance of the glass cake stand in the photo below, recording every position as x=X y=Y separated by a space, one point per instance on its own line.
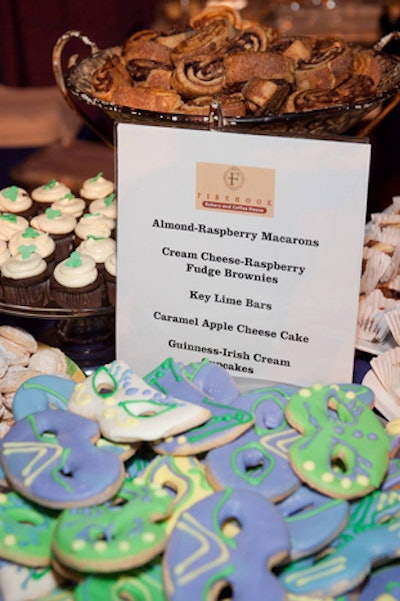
x=87 y=336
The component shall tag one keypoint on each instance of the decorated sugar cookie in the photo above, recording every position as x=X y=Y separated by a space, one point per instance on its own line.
x=40 y=393
x=127 y=409
x=24 y=584
x=142 y=584
x=124 y=534
x=383 y=584
x=344 y=450
x=26 y=530
x=258 y=459
x=230 y=539
x=314 y=520
x=226 y=422
x=184 y=477
x=370 y=536
x=50 y=458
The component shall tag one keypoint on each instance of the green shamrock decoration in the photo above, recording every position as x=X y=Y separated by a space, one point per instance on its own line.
x=74 y=260
x=11 y=193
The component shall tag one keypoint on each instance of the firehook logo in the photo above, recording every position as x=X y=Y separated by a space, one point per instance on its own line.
x=234 y=178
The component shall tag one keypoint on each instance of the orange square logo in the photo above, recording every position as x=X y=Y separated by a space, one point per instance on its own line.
x=229 y=188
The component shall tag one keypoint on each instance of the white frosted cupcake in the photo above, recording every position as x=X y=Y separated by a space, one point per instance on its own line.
x=25 y=279
x=110 y=277
x=11 y=224
x=43 y=243
x=48 y=193
x=105 y=206
x=71 y=205
x=99 y=249
x=4 y=252
x=17 y=201
x=60 y=227
x=96 y=187
x=93 y=225
x=76 y=283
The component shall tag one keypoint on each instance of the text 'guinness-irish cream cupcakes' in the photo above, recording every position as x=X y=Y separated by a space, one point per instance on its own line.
x=76 y=283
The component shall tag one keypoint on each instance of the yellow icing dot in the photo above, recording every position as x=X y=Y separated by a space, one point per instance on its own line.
x=305 y=392
x=3 y=498
x=10 y=540
x=161 y=492
x=309 y=466
x=363 y=480
x=139 y=481
x=148 y=537
x=327 y=477
x=350 y=395
x=124 y=545
x=181 y=439
x=78 y=544
x=110 y=402
x=100 y=546
x=317 y=387
x=393 y=427
x=108 y=413
x=345 y=483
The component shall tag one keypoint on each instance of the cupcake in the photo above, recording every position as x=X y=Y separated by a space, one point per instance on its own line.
x=76 y=283
x=25 y=279
x=4 y=252
x=99 y=249
x=105 y=206
x=48 y=193
x=96 y=187
x=110 y=277
x=94 y=225
x=60 y=227
x=11 y=224
x=17 y=201
x=71 y=205
x=43 y=243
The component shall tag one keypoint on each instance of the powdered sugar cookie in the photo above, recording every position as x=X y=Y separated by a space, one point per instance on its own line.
x=16 y=376
x=14 y=353
x=20 y=337
x=49 y=360
x=128 y=410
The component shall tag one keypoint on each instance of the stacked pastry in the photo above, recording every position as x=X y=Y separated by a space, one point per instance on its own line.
x=242 y=64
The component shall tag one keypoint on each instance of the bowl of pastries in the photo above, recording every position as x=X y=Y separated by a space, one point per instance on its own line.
x=221 y=70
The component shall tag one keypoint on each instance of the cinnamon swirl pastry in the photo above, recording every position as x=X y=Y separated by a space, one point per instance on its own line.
x=312 y=99
x=141 y=56
x=191 y=79
x=207 y=41
x=357 y=87
x=365 y=62
x=211 y=14
x=254 y=38
x=149 y=99
x=232 y=105
x=108 y=77
x=330 y=63
x=242 y=66
x=265 y=95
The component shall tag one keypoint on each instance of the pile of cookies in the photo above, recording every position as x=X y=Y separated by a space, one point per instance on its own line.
x=244 y=65
x=178 y=486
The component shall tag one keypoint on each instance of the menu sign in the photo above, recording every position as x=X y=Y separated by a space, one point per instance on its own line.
x=242 y=249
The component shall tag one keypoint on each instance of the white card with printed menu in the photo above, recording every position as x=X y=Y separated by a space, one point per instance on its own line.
x=242 y=249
